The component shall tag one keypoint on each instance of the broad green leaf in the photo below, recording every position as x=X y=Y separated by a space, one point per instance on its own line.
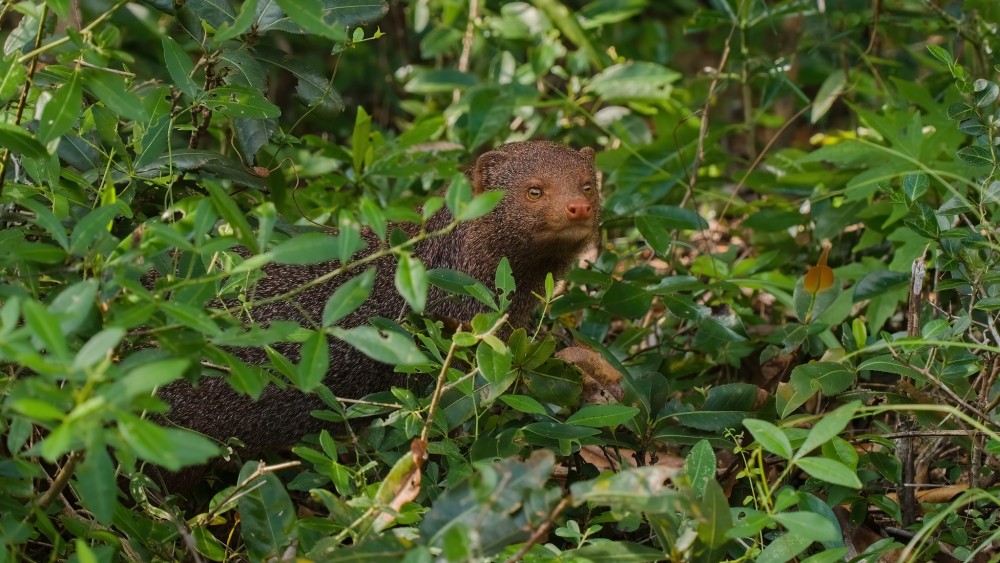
x=207 y=544
x=462 y=284
x=986 y=92
x=21 y=142
x=830 y=471
x=179 y=66
x=634 y=81
x=975 y=156
x=830 y=377
x=96 y=484
x=725 y=407
x=389 y=347
x=700 y=466
x=480 y=205
x=490 y=112
x=143 y=379
x=314 y=363
x=45 y=327
x=602 y=416
x=91 y=229
x=615 y=552
x=268 y=522
x=61 y=111
x=626 y=300
x=459 y=194
x=171 y=448
x=941 y=54
x=304 y=249
x=74 y=305
x=644 y=489
x=716 y=518
x=808 y=525
x=783 y=548
x=98 y=348
x=770 y=437
x=310 y=15
x=495 y=367
x=960 y=111
x=827 y=427
x=348 y=297
x=240 y=102
x=411 y=282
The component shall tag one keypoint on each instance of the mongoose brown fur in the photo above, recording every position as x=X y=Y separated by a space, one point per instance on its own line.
x=547 y=217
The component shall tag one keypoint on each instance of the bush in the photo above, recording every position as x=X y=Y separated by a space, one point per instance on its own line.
x=789 y=322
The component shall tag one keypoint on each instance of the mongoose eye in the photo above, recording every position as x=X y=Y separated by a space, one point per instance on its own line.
x=534 y=192
x=586 y=188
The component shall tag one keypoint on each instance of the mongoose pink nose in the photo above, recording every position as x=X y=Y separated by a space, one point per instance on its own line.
x=579 y=210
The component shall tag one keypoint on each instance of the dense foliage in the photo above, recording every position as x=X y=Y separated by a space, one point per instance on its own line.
x=785 y=348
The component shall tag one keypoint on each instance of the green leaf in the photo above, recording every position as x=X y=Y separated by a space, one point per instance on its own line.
x=975 y=156
x=941 y=54
x=98 y=348
x=193 y=317
x=489 y=113
x=268 y=521
x=179 y=66
x=879 y=283
x=360 y=140
x=310 y=15
x=171 y=448
x=411 y=282
x=45 y=327
x=783 y=548
x=37 y=409
x=525 y=404
x=240 y=102
x=986 y=92
x=21 y=142
x=725 y=407
x=96 y=484
x=13 y=75
x=808 y=525
x=62 y=111
x=700 y=466
x=915 y=185
x=829 y=91
x=644 y=489
x=229 y=211
x=480 y=205
x=112 y=90
x=304 y=249
x=634 y=81
x=459 y=194
x=389 y=347
x=208 y=545
x=143 y=379
x=495 y=367
x=626 y=300
x=960 y=111
x=770 y=437
x=827 y=427
x=46 y=220
x=348 y=297
x=92 y=228
x=602 y=416
x=314 y=363
x=225 y=32
x=461 y=284
x=830 y=471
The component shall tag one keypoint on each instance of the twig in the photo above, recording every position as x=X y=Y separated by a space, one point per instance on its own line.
x=60 y=482
x=463 y=59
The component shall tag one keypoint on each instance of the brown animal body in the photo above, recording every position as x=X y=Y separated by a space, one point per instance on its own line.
x=547 y=217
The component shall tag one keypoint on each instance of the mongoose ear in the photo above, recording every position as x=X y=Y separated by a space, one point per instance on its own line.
x=588 y=153
x=485 y=163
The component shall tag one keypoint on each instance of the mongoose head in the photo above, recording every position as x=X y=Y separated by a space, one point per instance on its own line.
x=553 y=200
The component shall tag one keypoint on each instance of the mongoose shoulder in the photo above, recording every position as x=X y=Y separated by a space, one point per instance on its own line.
x=547 y=217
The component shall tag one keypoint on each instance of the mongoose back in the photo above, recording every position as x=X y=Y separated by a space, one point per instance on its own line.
x=548 y=215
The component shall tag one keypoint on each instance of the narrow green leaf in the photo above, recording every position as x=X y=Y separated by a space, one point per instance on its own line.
x=360 y=139
x=225 y=32
x=98 y=348
x=12 y=76
x=112 y=90
x=240 y=102
x=61 y=111
x=304 y=249
x=602 y=416
x=92 y=228
x=179 y=66
x=192 y=317
x=229 y=211
x=480 y=205
x=309 y=15
x=524 y=403
x=314 y=363
x=171 y=448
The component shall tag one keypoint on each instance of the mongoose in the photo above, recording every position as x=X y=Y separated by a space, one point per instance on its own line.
x=548 y=215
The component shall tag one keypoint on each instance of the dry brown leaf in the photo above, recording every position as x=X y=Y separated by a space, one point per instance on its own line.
x=602 y=383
